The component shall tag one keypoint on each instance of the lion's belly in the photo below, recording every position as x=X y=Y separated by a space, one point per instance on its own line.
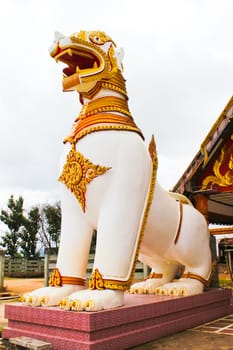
x=162 y=225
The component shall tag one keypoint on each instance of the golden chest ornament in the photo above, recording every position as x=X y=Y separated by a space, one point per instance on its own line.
x=78 y=172
x=98 y=115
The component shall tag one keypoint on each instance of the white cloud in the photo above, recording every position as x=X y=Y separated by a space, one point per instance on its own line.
x=178 y=66
x=170 y=170
x=31 y=197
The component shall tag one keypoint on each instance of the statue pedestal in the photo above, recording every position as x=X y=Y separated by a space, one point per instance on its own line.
x=143 y=318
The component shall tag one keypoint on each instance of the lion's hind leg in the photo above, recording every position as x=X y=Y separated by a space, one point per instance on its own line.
x=191 y=282
x=182 y=287
x=163 y=273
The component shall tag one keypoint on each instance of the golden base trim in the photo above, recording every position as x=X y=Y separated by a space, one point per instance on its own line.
x=195 y=277
x=200 y=278
x=154 y=275
x=73 y=139
x=97 y=281
x=105 y=104
x=57 y=280
x=73 y=280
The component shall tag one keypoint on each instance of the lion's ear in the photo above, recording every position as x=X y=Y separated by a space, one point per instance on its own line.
x=119 y=54
x=58 y=36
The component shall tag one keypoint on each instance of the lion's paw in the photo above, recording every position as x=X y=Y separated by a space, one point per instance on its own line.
x=146 y=287
x=183 y=287
x=93 y=300
x=137 y=288
x=47 y=296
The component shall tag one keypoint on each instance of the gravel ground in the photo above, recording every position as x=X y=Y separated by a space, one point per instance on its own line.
x=190 y=340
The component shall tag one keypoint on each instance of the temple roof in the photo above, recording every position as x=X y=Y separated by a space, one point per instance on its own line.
x=210 y=173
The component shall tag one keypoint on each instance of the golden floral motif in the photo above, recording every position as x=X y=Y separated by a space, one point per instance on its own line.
x=218 y=178
x=96 y=281
x=55 y=279
x=78 y=172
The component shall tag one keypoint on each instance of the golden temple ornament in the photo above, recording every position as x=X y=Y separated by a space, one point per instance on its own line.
x=77 y=172
x=220 y=178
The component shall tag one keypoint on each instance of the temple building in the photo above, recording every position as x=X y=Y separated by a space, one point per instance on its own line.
x=208 y=180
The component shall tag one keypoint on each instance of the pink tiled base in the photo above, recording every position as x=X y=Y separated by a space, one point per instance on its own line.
x=143 y=318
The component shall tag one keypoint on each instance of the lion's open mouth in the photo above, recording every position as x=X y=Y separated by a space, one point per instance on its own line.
x=76 y=60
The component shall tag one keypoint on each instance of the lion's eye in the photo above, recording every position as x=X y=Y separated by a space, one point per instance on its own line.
x=96 y=39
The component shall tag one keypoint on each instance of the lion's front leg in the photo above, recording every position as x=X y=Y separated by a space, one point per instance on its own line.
x=70 y=274
x=120 y=228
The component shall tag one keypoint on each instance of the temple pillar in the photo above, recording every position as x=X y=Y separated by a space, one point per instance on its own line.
x=201 y=204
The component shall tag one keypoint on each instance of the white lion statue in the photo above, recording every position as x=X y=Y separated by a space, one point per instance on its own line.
x=109 y=184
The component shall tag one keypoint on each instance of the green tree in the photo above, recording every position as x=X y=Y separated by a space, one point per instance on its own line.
x=41 y=223
x=29 y=233
x=50 y=226
x=14 y=218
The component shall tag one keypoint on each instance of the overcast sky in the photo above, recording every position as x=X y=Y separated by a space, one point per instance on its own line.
x=178 y=65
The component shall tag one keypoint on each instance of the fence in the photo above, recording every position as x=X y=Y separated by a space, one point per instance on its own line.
x=20 y=267
x=2 y=263
x=141 y=271
x=50 y=263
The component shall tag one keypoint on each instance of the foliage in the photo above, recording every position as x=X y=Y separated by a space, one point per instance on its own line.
x=14 y=218
x=25 y=229
x=50 y=225
x=29 y=232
